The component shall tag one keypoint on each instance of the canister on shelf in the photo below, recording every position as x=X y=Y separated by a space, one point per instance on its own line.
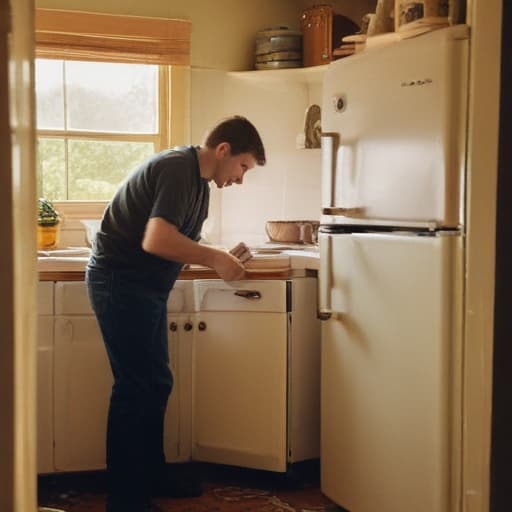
x=433 y=12
x=278 y=47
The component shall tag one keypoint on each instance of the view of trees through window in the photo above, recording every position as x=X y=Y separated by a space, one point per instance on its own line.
x=95 y=123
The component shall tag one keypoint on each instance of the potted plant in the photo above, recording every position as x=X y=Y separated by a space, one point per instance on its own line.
x=48 y=220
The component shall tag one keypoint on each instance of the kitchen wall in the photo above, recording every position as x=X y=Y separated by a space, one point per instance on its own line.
x=288 y=187
x=222 y=31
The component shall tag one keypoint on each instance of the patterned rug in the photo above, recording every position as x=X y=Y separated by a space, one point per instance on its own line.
x=225 y=490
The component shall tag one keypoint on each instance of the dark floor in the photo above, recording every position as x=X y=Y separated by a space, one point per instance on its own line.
x=226 y=489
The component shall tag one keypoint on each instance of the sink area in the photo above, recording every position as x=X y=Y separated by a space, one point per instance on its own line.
x=62 y=260
x=68 y=252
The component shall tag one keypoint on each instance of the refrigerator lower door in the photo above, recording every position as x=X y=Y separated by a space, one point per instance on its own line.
x=391 y=358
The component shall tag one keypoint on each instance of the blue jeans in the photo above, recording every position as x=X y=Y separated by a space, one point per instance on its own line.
x=132 y=319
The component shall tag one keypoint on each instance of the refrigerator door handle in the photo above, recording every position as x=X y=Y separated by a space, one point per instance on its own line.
x=330 y=143
x=324 y=278
x=342 y=211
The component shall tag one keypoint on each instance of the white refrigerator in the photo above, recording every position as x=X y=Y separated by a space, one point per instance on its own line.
x=391 y=274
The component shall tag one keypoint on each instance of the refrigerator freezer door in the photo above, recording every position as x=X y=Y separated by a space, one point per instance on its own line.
x=394 y=120
x=391 y=373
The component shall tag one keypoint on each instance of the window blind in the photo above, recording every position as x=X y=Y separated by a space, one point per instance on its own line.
x=78 y=35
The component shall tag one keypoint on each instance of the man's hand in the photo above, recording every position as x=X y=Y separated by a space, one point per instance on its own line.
x=242 y=252
x=228 y=266
x=164 y=240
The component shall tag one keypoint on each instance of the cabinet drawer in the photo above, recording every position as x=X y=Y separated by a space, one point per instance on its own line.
x=217 y=295
x=71 y=298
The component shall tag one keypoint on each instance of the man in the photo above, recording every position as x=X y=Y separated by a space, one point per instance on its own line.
x=148 y=231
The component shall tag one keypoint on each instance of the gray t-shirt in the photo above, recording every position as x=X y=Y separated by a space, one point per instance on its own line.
x=167 y=185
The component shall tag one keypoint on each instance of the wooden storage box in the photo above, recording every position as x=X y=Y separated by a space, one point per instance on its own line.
x=322 y=30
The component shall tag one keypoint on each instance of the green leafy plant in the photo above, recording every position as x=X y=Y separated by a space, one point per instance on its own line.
x=47 y=215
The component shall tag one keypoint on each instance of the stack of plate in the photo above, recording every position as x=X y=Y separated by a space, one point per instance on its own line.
x=278 y=48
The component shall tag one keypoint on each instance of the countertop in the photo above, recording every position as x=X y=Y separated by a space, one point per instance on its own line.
x=71 y=266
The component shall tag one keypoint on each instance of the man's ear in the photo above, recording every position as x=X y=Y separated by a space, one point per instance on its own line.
x=222 y=150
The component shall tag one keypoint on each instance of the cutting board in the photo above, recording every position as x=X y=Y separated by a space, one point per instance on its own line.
x=268 y=263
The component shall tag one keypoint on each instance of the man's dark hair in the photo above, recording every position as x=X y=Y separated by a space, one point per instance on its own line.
x=241 y=135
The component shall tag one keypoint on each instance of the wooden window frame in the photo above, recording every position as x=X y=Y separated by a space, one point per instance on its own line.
x=86 y=36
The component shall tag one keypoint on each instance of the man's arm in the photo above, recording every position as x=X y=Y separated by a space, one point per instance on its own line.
x=163 y=239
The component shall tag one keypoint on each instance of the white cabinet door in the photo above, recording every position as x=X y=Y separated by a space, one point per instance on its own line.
x=178 y=421
x=82 y=384
x=83 y=381
x=239 y=389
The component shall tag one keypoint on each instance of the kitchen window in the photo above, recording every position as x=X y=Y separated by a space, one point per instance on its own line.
x=95 y=122
x=104 y=99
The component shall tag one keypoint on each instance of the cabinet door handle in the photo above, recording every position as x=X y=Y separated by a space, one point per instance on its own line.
x=249 y=294
x=201 y=326
x=173 y=326
x=188 y=326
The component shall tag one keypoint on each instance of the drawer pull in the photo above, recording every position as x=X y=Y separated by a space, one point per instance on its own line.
x=173 y=326
x=249 y=294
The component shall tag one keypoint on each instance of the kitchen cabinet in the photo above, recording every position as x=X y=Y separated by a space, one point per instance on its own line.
x=82 y=386
x=178 y=417
x=82 y=383
x=256 y=373
x=45 y=377
x=245 y=360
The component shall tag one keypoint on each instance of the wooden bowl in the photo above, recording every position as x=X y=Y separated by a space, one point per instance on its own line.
x=293 y=231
